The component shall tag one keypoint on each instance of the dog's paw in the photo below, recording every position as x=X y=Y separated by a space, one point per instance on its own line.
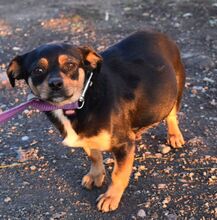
x=107 y=203
x=90 y=180
x=176 y=140
x=110 y=200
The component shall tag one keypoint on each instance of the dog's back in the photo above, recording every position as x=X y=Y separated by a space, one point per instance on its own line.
x=142 y=68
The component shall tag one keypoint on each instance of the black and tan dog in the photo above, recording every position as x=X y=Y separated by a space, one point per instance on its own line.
x=136 y=83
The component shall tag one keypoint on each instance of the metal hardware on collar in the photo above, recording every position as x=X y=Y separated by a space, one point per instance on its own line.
x=88 y=84
x=80 y=104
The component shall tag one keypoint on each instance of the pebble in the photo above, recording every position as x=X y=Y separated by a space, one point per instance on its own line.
x=166 y=201
x=213 y=102
x=142 y=167
x=177 y=25
x=58 y=215
x=206 y=79
x=25 y=138
x=196 y=141
x=108 y=161
x=33 y=168
x=164 y=149
x=16 y=48
x=141 y=213
x=187 y=15
x=213 y=22
x=137 y=175
x=162 y=186
x=50 y=131
x=158 y=155
x=172 y=217
x=7 y=199
x=26 y=111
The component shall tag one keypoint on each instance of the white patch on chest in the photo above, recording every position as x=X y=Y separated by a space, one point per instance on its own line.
x=71 y=136
x=101 y=142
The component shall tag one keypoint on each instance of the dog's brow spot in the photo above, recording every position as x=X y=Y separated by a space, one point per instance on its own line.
x=43 y=61
x=62 y=59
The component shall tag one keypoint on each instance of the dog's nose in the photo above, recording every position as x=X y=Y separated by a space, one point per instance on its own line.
x=55 y=83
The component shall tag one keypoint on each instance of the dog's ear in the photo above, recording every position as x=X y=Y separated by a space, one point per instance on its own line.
x=92 y=60
x=14 y=70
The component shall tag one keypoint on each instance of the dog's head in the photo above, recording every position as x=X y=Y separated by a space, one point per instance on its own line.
x=55 y=72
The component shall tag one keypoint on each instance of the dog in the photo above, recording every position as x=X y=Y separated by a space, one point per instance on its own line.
x=136 y=84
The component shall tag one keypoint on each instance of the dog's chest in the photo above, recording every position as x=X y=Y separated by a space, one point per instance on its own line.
x=101 y=141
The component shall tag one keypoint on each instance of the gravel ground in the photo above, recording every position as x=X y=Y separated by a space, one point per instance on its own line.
x=40 y=179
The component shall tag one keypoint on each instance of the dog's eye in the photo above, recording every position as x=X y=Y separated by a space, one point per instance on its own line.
x=69 y=67
x=38 y=71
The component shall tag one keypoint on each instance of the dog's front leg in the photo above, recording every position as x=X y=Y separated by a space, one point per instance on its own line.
x=96 y=174
x=124 y=156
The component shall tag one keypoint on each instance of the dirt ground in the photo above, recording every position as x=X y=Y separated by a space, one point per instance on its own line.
x=41 y=179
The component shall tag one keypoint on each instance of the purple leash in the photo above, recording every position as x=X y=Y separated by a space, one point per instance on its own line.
x=37 y=104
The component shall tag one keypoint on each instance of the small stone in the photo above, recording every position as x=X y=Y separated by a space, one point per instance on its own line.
x=206 y=79
x=33 y=168
x=146 y=14
x=25 y=183
x=106 y=16
x=146 y=154
x=216 y=211
x=196 y=141
x=142 y=167
x=197 y=88
x=16 y=48
x=162 y=186
x=158 y=155
x=141 y=213
x=127 y=9
x=164 y=149
x=187 y=15
x=155 y=216
x=25 y=138
x=59 y=215
x=166 y=201
x=7 y=200
x=26 y=111
x=108 y=161
x=137 y=175
x=213 y=102
x=50 y=131
x=177 y=25
x=172 y=217
x=213 y=22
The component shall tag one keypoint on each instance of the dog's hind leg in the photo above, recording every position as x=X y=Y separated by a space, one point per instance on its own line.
x=96 y=174
x=174 y=137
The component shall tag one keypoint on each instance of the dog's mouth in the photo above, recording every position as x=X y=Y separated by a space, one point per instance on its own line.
x=58 y=99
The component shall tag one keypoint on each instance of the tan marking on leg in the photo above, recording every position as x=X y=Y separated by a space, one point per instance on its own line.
x=109 y=201
x=96 y=174
x=101 y=141
x=174 y=135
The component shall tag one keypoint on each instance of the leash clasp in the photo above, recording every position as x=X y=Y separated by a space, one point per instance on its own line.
x=87 y=85
x=80 y=104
